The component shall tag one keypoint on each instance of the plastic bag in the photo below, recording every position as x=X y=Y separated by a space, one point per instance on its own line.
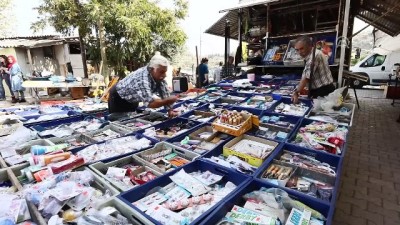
x=328 y=103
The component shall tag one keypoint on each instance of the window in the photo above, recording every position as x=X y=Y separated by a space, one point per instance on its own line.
x=374 y=60
x=74 y=49
x=48 y=52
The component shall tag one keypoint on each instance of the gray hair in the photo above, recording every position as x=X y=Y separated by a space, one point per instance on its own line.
x=305 y=40
x=158 y=60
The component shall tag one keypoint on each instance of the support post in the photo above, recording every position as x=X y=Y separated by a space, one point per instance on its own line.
x=28 y=51
x=343 y=42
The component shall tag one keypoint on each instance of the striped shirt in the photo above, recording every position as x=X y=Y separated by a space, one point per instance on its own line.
x=140 y=86
x=322 y=74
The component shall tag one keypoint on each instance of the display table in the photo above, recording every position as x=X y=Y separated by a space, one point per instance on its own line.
x=50 y=84
x=35 y=85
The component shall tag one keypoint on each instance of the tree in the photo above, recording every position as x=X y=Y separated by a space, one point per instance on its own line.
x=133 y=29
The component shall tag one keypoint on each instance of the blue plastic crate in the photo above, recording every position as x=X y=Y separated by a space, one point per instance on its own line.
x=171 y=122
x=288 y=100
x=285 y=118
x=276 y=98
x=325 y=158
x=138 y=136
x=179 y=138
x=187 y=102
x=305 y=122
x=253 y=111
x=231 y=102
x=138 y=193
x=236 y=199
x=219 y=151
x=69 y=115
x=41 y=126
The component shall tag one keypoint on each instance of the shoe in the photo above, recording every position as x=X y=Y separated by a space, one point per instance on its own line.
x=14 y=100
x=22 y=100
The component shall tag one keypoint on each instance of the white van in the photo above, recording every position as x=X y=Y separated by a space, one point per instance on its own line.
x=376 y=67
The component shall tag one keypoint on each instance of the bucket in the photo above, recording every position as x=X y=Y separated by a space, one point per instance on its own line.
x=251 y=76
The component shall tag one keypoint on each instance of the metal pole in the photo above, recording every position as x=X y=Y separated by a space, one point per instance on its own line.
x=197 y=69
x=343 y=41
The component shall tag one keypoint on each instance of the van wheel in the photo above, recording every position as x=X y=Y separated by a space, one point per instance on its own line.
x=357 y=84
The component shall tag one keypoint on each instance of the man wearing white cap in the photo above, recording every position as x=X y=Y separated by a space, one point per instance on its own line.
x=145 y=85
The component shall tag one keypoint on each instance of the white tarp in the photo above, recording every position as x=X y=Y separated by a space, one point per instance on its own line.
x=387 y=45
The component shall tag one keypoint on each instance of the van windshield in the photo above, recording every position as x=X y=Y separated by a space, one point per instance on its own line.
x=374 y=60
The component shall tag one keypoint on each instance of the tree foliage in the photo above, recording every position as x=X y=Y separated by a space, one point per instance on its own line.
x=135 y=29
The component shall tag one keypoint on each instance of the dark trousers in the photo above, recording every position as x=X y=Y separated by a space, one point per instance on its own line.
x=322 y=91
x=116 y=104
x=6 y=78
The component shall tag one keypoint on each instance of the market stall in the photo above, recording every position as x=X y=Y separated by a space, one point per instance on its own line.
x=208 y=165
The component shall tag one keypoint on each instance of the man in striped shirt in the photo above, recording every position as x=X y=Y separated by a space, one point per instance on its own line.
x=321 y=80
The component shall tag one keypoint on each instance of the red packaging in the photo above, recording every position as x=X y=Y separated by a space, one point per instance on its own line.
x=72 y=163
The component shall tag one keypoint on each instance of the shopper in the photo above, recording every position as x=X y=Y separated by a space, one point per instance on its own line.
x=217 y=73
x=15 y=73
x=228 y=70
x=203 y=72
x=321 y=80
x=6 y=77
x=145 y=85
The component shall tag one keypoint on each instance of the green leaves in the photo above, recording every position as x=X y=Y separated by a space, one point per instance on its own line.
x=135 y=29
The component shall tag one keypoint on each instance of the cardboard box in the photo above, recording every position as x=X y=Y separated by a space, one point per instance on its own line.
x=249 y=120
x=254 y=161
x=78 y=93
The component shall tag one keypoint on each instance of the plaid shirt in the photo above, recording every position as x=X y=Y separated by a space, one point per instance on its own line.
x=322 y=74
x=140 y=86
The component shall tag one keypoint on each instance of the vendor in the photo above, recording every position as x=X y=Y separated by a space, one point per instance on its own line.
x=145 y=85
x=321 y=80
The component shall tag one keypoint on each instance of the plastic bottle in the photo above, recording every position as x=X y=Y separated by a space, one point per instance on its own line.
x=41 y=150
x=44 y=160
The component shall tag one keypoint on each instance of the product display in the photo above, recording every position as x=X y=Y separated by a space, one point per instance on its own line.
x=215 y=161
x=322 y=136
x=186 y=198
x=168 y=131
x=259 y=102
x=292 y=109
x=164 y=157
x=274 y=127
x=73 y=128
x=271 y=206
x=113 y=148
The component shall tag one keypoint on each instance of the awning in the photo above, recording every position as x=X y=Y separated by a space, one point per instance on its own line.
x=387 y=45
x=25 y=43
x=248 y=3
x=384 y=15
x=218 y=28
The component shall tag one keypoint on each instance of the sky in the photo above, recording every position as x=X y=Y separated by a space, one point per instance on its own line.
x=202 y=15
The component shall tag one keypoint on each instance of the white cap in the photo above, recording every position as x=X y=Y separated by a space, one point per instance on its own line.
x=158 y=60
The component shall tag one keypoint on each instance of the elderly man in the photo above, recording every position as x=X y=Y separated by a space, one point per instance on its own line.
x=145 y=85
x=321 y=80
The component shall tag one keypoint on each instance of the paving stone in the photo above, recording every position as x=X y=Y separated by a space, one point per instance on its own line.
x=372 y=159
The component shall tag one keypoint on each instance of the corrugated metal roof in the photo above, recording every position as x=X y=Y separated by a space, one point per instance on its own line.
x=246 y=4
x=25 y=43
x=382 y=14
x=218 y=28
x=53 y=36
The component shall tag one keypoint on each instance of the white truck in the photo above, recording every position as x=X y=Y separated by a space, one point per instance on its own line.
x=377 y=67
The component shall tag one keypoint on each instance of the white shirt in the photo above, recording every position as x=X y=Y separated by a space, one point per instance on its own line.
x=217 y=74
